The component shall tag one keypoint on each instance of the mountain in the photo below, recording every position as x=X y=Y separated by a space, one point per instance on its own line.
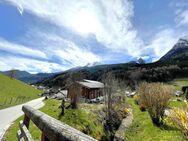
x=27 y=77
x=93 y=64
x=132 y=62
x=138 y=61
x=178 y=53
x=17 y=73
x=172 y=65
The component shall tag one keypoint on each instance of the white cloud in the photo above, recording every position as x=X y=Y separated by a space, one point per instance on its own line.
x=30 y=65
x=20 y=9
x=67 y=51
x=20 y=49
x=162 y=42
x=4 y=66
x=76 y=56
x=182 y=18
x=181 y=12
x=108 y=20
x=144 y=57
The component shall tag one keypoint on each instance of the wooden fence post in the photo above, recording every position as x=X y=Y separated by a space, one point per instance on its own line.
x=16 y=99
x=26 y=121
x=44 y=138
x=10 y=100
x=5 y=102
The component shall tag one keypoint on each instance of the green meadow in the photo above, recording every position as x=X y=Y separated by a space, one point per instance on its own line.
x=142 y=128
x=84 y=119
x=179 y=83
x=14 y=92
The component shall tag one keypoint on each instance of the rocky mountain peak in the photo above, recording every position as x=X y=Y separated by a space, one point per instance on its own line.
x=182 y=43
x=140 y=61
x=179 y=50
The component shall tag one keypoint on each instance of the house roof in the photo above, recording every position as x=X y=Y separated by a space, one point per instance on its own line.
x=91 y=84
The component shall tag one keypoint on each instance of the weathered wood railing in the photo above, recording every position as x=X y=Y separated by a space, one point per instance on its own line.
x=52 y=129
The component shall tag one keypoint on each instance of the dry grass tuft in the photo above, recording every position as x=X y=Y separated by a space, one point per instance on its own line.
x=155 y=97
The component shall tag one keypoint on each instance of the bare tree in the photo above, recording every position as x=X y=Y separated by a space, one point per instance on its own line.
x=107 y=92
x=12 y=73
x=113 y=104
x=74 y=88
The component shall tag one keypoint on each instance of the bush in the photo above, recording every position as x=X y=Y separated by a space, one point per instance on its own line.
x=155 y=97
x=178 y=118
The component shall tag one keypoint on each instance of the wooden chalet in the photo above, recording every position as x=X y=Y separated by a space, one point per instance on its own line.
x=89 y=89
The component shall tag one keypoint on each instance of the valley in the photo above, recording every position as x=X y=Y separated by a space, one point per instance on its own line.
x=93 y=70
x=131 y=74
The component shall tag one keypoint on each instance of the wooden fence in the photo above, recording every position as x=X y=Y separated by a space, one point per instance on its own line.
x=52 y=129
x=7 y=102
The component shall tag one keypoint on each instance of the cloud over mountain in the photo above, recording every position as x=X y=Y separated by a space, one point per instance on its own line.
x=70 y=33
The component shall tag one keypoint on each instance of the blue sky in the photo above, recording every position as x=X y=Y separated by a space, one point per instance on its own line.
x=52 y=36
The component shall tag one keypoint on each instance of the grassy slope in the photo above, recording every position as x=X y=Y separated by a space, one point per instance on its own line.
x=13 y=92
x=142 y=128
x=178 y=83
x=84 y=120
x=177 y=104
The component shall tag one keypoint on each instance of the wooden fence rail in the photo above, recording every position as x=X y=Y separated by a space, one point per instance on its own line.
x=52 y=129
x=23 y=133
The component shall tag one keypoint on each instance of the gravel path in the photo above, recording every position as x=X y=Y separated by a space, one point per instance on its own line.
x=125 y=124
x=8 y=115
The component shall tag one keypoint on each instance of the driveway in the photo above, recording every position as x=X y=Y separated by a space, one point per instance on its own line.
x=8 y=115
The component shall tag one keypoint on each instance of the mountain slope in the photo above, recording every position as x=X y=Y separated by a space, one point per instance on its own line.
x=172 y=65
x=13 y=92
x=27 y=77
x=178 y=53
x=17 y=73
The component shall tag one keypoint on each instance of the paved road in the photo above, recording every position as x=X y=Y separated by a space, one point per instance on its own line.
x=8 y=115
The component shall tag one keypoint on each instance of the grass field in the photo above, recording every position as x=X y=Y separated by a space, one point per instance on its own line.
x=14 y=92
x=177 y=104
x=86 y=120
x=142 y=128
x=178 y=83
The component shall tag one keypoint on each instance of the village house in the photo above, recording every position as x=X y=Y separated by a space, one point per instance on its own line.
x=89 y=89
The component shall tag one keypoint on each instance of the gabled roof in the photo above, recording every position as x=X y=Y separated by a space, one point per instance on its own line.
x=91 y=84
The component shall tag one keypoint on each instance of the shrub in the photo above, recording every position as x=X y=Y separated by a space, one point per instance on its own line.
x=155 y=97
x=179 y=118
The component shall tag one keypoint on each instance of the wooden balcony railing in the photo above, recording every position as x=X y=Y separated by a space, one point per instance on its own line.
x=52 y=129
